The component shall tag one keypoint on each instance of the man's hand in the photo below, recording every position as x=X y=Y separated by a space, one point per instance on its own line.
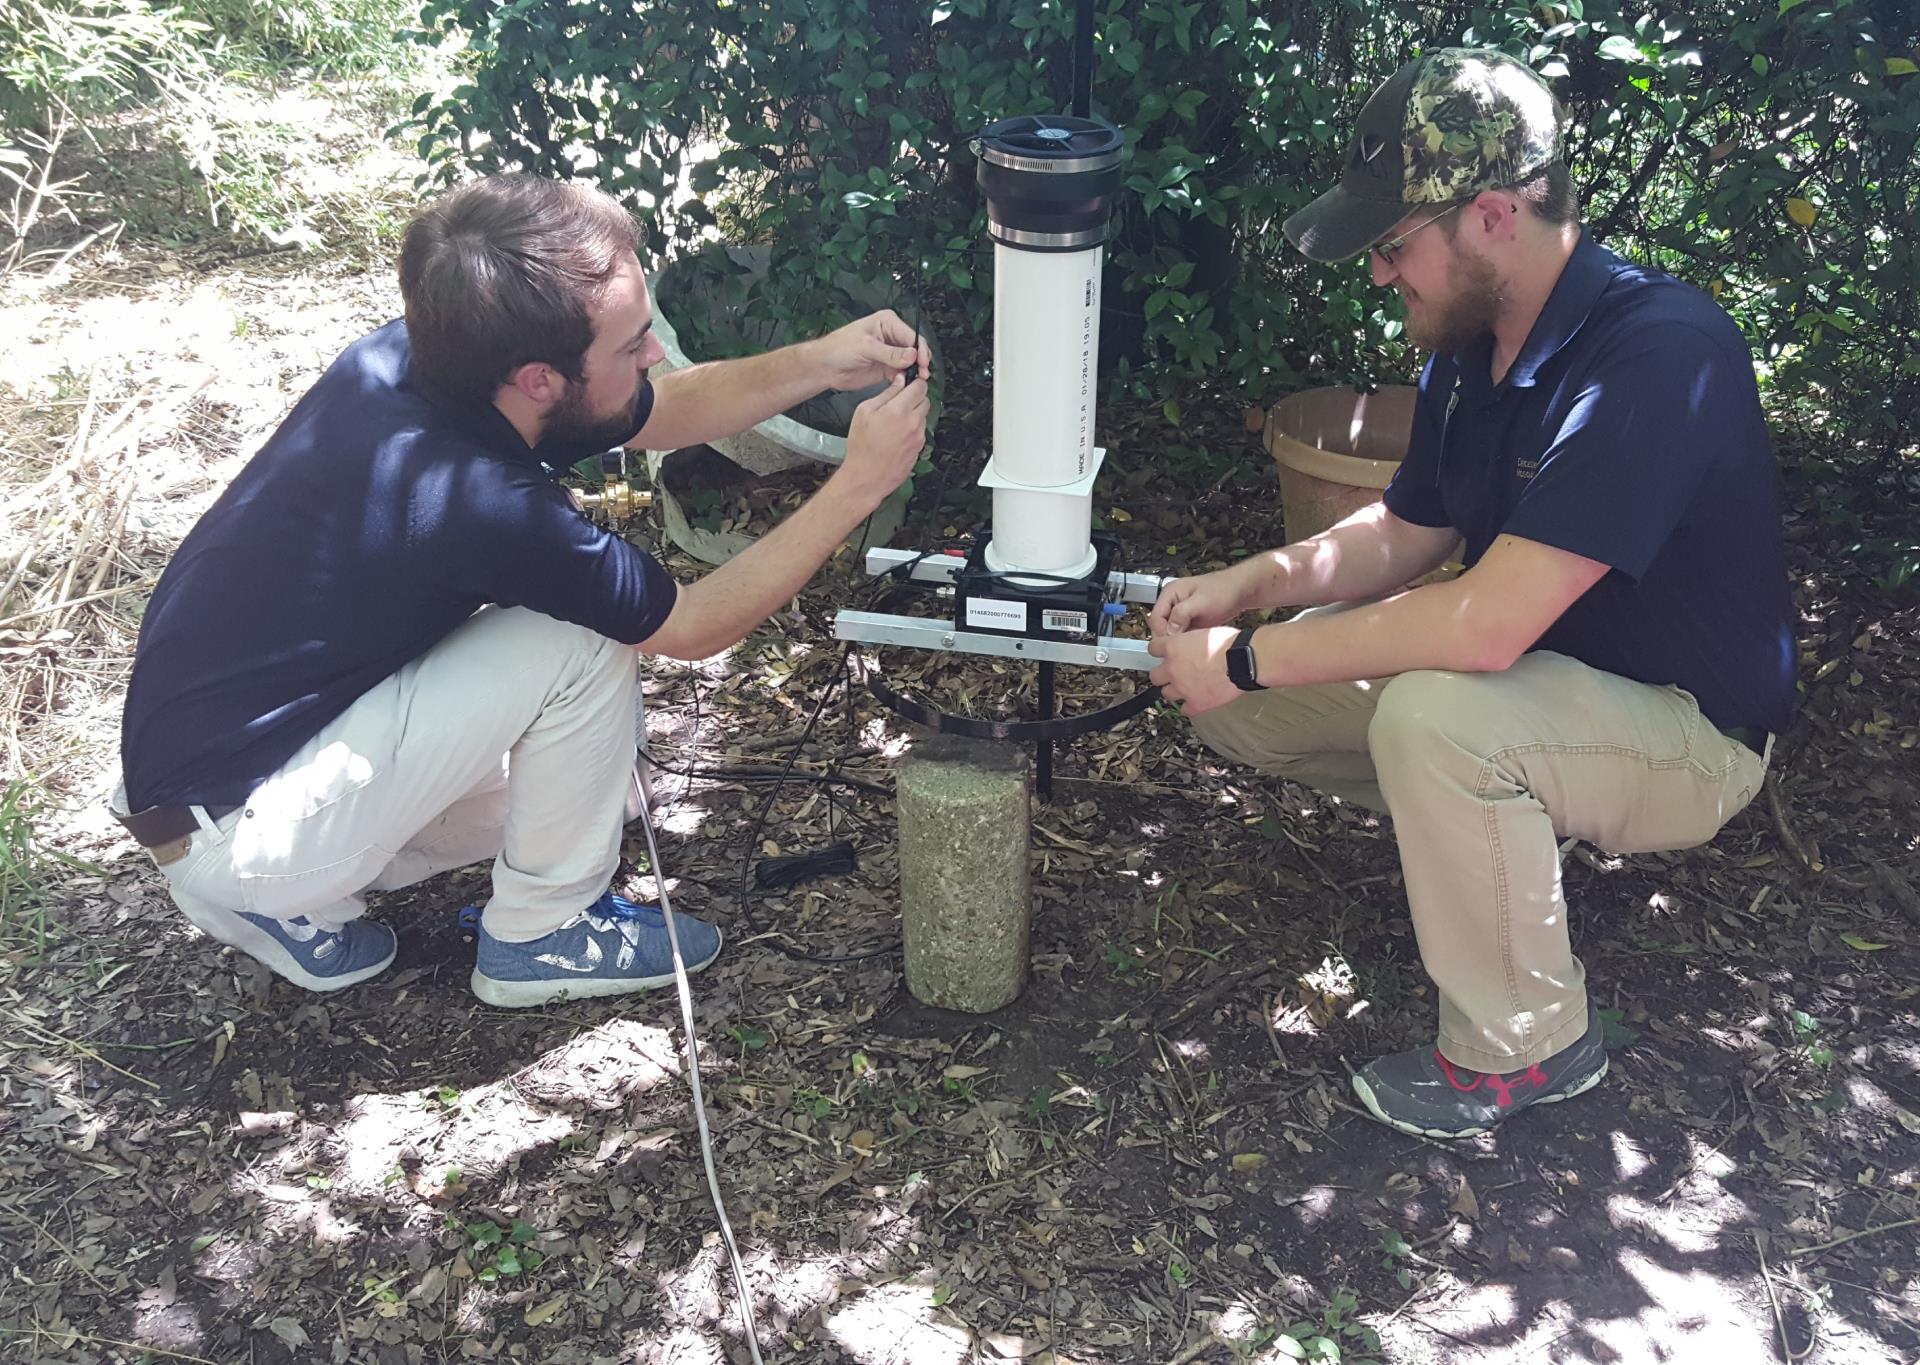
x=874 y=349
x=885 y=440
x=1211 y=599
x=1193 y=668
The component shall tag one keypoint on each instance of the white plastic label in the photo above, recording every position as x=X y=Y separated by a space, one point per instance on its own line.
x=1064 y=620
x=984 y=611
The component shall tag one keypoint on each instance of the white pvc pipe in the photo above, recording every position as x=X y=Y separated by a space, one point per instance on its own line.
x=1046 y=339
x=1041 y=532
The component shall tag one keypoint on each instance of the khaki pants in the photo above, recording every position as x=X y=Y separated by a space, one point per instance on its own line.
x=511 y=739
x=1484 y=774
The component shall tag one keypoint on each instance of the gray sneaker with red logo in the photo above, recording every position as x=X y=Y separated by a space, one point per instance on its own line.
x=1422 y=1092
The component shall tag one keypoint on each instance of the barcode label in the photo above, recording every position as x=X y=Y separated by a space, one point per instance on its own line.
x=1064 y=620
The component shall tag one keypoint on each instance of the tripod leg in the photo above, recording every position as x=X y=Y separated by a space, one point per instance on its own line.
x=1043 y=751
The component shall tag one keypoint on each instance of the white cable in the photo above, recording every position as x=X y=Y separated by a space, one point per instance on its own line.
x=699 y=1100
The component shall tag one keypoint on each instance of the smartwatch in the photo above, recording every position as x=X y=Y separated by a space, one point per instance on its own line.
x=1242 y=671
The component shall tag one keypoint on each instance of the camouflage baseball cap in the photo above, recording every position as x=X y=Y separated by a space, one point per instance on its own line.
x=1441 y=129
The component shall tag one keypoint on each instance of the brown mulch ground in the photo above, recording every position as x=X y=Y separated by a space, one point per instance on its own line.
x=1152 y=1156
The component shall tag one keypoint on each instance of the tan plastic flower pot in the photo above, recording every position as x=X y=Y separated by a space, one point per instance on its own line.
x=1335 y=450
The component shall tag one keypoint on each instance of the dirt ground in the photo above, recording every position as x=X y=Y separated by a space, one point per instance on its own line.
x=1152 y=1156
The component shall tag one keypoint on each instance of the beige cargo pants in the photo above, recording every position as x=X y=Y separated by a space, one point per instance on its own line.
x=1484 y=774
x=511 y=739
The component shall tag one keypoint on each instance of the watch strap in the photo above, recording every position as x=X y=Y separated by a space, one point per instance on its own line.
x=1242 y=671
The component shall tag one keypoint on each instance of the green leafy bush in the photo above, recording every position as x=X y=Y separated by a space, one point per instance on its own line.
x=1764 y=150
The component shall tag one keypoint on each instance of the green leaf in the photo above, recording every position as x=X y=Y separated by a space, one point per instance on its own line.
x=1616 y=1034
x=1620 y=48
x=1760 y=63
x=1855 y=941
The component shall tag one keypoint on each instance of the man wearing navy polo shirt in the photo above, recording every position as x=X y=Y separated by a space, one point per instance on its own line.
x=1614 y=662
x=393 y=646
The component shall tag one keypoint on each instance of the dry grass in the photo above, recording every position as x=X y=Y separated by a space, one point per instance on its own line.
x=134 y=380
x=70 y=597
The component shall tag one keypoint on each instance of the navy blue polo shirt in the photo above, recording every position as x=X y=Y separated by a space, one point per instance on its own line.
x=376 y=519
x=1628 y=430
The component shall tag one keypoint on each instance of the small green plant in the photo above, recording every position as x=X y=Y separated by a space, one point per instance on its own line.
x=1335 y=1339
x=442 y=1097
x=812 y=1103
x=1615 y=1030
x=1806 y=1032
x=1395 y=1251
x=1121 y=960
x=749 y=1038
x=501 y=1253
x=1040 y=1110
x=378 y=1290
x=26 y=863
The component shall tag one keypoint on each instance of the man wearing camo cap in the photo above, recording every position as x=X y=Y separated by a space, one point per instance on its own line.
x=1617 y=657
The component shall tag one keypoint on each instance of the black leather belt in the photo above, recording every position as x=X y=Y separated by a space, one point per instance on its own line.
x=157 y=825
x=1754 y=739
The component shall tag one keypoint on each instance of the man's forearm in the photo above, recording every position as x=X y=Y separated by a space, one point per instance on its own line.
x=1418 y=629
x=724 y=397
x=717 y=611
x=1370 y=553
x=1479 y=622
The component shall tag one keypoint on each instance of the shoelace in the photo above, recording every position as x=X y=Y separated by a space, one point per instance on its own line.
x=617 y=912
x=320 y=943
x=617 y=908
x=1502 y=1086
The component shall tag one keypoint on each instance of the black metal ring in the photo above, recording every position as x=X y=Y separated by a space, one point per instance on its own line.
x=1019 y=731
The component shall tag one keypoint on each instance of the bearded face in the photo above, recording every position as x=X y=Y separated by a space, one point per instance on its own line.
x=1455 y=313
x=572 y=419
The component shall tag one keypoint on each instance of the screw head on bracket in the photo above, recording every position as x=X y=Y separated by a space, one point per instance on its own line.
x=946 y=642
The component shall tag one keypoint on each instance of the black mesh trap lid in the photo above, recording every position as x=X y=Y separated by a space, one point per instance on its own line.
x=1050 y=143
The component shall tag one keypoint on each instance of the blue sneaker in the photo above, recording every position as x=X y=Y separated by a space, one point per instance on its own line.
x=610 y=948
x=307 y=955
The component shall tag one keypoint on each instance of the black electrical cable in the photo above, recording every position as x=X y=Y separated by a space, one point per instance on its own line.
x=722 y=772
x=839 y=857
x=744 y=895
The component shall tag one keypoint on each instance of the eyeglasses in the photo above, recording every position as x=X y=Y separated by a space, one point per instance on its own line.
x=1385 y=250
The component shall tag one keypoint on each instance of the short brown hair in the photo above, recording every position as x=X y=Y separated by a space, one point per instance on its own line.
x=1551 y=195
x=502 y=272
